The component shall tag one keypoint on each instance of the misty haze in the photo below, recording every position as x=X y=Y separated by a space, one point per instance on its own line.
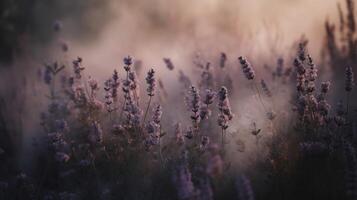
x=178 y=99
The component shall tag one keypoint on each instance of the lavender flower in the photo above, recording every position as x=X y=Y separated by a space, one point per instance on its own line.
x=48 y=75
x=205 y=112
x=222 y=60
x=265 y=88
x=77 y=67
x=93 y=84
x=157 y=114
x=194 y=105
x=247 y=68
x=325 y=87
x=96 y=134
x=151 y=81
x=132 y=111
x=224 y=108
x=178 y=134
x=127 y=61
x=114 y=84
x=134 y=85
x=280 y=67
x=323 y=107
x=169 y=63
x=302 y=50
x=349 y=79
x=313 y=69
x=205 y=141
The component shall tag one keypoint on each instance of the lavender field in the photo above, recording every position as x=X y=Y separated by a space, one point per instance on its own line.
x=178 y=100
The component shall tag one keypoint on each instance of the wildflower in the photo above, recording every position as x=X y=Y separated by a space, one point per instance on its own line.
x=77 y=67
x=132 y=111
x=247 y=68
x=189 y=133
x=96 y=134
x=204 y=142
x=178 y=134
x=153 y=130
x=323 y=107
x=48 y=75
x=225 y=114
x=302 y=50
x=169 y=63
x=151 y=81
x=222 y=60
x=325 y=87
x=114 y=83
x=313 y=70
x=93 y=84
x=349 y=79
x=194 y=105
x=280 y=67
x=265 y=88
x=127 y=61
x=157 y=114
x=134 y=85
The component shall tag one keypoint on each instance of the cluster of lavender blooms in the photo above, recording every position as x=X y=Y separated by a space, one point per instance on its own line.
x=151 y=81
x=312 y=108
x=153 y=128
x=225 y=114
x=247 y=68
x=205 y=112
x=349 y=79
x=194 y=105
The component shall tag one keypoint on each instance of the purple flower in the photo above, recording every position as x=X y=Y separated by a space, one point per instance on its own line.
x=225 y=113
x=222 y=60
x=247 y=68
x=127 y=61
x=349 y=79
x=151 y=81
x=169 y=63
x=265 y=88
